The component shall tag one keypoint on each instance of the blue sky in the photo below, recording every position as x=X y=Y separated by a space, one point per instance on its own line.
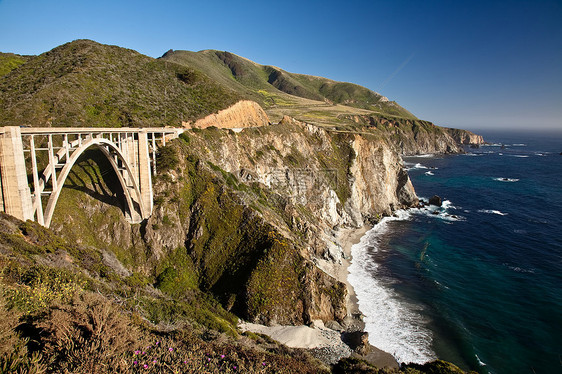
x=473 y=64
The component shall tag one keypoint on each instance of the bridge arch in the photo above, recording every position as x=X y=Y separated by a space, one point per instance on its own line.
x=120 y=165
x=130 y=151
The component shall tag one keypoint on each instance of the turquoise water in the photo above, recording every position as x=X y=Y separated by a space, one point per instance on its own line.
x=479 y=281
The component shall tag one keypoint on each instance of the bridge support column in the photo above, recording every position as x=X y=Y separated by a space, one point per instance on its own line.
x=16 y=196
x=145 y=179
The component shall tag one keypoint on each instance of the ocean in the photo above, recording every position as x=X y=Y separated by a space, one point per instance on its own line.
x=478 y=281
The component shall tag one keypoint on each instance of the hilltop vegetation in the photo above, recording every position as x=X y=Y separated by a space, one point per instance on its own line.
x=273 y=87
x=10 y=61
x=84 y=83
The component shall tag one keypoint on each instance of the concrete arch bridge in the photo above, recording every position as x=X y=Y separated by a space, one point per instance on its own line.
x=30 y=191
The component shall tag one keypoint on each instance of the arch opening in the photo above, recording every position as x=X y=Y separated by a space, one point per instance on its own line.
x=113 y=160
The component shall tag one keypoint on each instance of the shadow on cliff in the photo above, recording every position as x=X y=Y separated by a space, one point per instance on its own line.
x=94 y=175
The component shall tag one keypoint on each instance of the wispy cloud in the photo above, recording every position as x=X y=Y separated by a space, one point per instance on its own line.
x=395 y=72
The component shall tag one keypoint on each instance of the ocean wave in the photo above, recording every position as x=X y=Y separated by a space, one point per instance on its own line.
x=441 y=212
x=428 y=173
x=506 y=179
x=520 y=156
x=518 y=269
x=490 y=145
x=411 y=166
x=519 y=145
x=480 y=362
x=427 y=155
x=492 y=211
x=393 y=324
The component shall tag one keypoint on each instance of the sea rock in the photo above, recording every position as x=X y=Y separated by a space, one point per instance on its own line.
x=358 y=341
x=435 y=200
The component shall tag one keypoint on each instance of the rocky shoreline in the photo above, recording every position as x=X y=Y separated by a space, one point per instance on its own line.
x=332 y=341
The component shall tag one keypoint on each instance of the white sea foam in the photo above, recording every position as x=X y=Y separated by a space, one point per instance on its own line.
x=492 y=211
x=410 y=166
x=447 y=204
x=520 y=145
x=521 y=156
x=506 y=179
x=427 y=155
x=480 y=362
x=441 y=212
x=518 y=269
x=428 y=173
x=393 y=324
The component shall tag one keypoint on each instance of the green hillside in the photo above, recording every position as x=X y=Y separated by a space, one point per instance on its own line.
x=84 y=83
x=10 y=61
x=274 y=87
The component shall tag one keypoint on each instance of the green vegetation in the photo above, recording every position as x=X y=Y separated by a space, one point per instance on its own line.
x=84 y=83
x=357 y=366
x=10 y=61
x=273 y=87
x=97 y=294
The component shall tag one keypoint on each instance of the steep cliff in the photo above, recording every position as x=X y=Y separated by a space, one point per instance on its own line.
x=411 y=136
x=244 y=215
x=465 y=137
x=285 y=188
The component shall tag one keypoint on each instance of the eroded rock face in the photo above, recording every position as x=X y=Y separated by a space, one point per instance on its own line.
x=247 y=215
x=466 y=137
x=244 y=113
x=343 y=179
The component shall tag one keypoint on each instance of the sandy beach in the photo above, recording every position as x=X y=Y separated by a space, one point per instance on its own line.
x=318 y=337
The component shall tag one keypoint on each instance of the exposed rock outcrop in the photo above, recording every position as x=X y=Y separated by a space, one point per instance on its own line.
x=411 y=136
x=465 y=137
x=248 y=215
x=244 y=113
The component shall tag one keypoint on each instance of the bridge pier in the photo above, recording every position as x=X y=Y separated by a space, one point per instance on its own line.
x=16 y=195
x=145 y=178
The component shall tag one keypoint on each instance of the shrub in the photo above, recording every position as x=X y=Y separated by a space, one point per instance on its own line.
x=88 y=335
x=14 y=356
x=166 y=159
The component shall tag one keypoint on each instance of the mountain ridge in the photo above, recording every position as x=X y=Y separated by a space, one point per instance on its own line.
x=274 y=80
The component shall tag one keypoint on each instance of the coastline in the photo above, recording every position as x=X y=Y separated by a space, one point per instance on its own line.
x=348 y=238
x=323 y=339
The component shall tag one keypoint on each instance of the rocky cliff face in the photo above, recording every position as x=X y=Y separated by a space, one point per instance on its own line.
x=411 y=137
x=244 y=113
x=465 y=137
x=246 y=215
